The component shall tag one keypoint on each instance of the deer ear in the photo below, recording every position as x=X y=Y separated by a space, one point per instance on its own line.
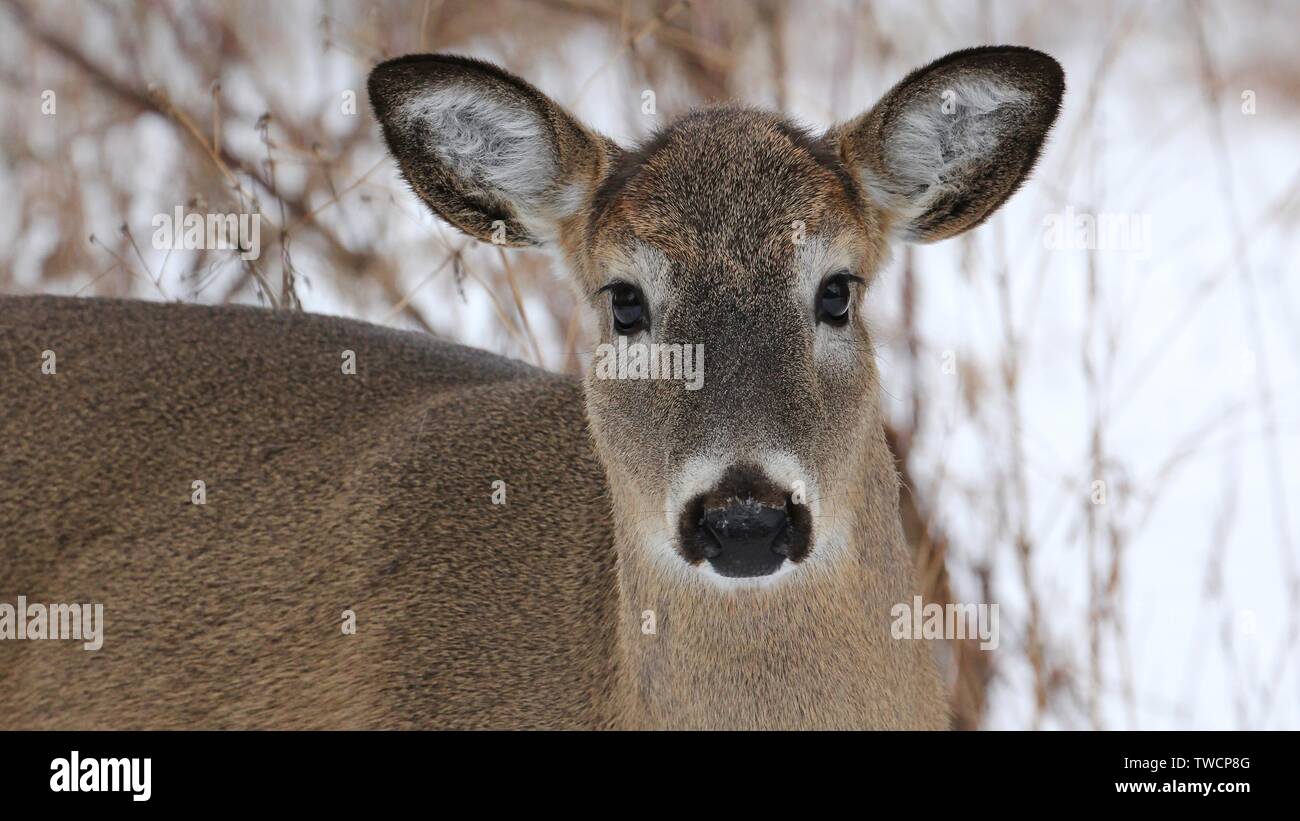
x=485 y=150
x=950 y=143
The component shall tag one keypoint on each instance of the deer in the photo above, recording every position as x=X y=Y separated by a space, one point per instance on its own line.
x=659 y=557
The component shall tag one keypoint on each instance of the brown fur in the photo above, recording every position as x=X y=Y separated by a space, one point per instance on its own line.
x=325 y=492
x=371 y=492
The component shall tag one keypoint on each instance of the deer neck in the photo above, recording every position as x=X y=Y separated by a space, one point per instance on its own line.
x=811 y=649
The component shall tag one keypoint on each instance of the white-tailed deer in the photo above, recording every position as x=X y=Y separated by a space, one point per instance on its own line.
x=724 y=554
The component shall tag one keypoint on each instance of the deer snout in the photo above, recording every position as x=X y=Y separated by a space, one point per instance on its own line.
x=745 y=526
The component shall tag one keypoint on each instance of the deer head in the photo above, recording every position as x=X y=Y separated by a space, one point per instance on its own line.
x=748 y=238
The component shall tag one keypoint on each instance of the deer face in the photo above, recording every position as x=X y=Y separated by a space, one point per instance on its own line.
x=724 y=266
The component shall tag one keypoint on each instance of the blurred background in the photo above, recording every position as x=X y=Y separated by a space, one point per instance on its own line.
x=1098 y=431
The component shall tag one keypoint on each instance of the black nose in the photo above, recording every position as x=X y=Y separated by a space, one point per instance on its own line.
x=748 y=538
x=745 y=526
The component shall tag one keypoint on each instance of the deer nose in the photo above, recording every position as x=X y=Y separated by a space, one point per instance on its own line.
x=748 y=539
x=745 y=526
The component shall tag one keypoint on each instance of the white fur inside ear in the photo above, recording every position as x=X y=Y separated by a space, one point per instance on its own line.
x=493 y=145
x=937 y=140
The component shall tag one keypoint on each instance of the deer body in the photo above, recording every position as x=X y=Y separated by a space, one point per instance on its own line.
x=318 y=500
x=318 y=489
x=726 y=557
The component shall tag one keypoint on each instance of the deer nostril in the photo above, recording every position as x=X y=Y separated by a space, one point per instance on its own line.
x=710 y=544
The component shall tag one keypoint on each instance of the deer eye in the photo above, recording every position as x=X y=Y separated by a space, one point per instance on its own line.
x=835 y=297
x=628 y=307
